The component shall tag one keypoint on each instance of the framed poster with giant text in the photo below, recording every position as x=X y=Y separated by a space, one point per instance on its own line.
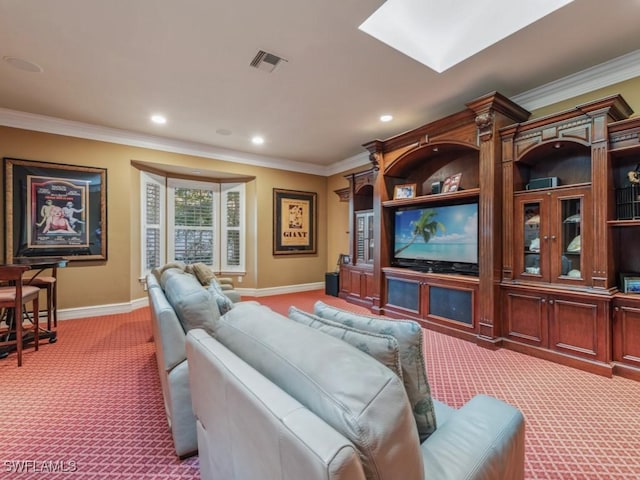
x=294 y=222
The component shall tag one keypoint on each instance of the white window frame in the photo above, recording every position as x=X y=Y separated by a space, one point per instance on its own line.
x=220 y=229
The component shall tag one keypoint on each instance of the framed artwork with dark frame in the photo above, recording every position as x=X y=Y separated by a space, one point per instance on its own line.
x=294 y=222
x=54 y=209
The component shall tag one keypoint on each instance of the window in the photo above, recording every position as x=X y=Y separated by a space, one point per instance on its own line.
x=204 y=223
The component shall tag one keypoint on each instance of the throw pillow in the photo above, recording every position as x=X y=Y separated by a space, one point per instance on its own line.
x=158 y=271
x=224 y=303
x=192 y=303
x=203 y=273
x=383 y=348
x=409 y=336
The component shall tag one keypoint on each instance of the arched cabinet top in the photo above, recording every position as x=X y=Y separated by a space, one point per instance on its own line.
x=435 y=152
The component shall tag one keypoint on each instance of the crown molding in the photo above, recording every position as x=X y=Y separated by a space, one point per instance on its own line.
x=603 y=75
x=609 y=73
x=348 y=163
x=70 y=128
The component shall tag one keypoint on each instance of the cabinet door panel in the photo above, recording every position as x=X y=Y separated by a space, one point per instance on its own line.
x=626 y=344
x=526 y=318
x=355 y=283
x=571 y=237
x=404 y=293
x=369 y=285
x=578 y=328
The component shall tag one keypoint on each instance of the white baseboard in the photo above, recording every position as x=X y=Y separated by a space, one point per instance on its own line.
x=265 y=292
x=100 y=310
x=117 y=308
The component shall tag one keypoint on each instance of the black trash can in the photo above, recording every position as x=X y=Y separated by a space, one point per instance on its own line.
x=332 y=283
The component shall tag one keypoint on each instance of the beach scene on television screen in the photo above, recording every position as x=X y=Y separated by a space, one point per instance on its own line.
x=447 y=234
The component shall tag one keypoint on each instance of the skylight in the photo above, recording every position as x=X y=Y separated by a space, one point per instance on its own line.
x=443 y=33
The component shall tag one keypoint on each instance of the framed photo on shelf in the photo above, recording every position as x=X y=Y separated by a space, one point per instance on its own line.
x=452 y=183
x=344 y=259
x=54 y=209
x=630 y=282
x=407 y=190
x=294 y=222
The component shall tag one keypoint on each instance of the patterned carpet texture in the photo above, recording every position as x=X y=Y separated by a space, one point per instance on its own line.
x=90 y=407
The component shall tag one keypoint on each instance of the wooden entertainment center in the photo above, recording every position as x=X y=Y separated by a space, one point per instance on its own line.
x=558 y=220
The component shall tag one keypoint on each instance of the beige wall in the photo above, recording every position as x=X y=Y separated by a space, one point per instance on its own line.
x=115 y=281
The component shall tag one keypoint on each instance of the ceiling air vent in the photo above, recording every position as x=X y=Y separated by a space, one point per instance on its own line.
x=266 y=61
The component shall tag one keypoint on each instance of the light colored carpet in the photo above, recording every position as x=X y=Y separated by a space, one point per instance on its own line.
x=89 y=406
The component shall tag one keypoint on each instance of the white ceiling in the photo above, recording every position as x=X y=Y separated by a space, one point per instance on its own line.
x=114 y=63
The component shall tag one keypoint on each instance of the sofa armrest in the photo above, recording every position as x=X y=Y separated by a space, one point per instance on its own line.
x=483 y=440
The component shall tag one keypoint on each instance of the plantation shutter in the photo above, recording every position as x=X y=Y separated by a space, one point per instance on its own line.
x=193 y=208
x=232 y=228
x=153 y=219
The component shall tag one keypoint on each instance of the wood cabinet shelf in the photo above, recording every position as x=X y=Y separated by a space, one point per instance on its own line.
x=462 y=279
x=624 y=223
x=449 y=197
x=553 y=189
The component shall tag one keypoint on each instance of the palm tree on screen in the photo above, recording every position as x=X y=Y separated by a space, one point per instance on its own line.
x=426 y=226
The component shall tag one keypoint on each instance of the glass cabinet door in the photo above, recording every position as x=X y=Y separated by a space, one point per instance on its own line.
x=549 y=239
x=370 y=243
x=531 y=234
x=570 y=251
x=364 y=237
x=360 y=238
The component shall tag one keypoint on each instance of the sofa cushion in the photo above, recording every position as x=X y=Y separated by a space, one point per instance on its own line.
x=383 y=348
x=410 y=343
x=352 y=392
x=194 y=306
x=223 y=302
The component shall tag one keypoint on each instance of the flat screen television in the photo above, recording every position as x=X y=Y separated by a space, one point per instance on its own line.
x=437 y=238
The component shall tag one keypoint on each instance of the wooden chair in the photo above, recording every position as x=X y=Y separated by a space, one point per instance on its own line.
x=49 y=285
x=12 y=298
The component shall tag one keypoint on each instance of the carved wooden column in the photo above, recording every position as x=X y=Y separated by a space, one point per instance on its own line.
x=492 y=112
x=379 y=194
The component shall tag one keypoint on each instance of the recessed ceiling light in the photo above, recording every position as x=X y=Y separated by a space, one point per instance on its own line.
x=257 y=140
x=22 y=64
x=386 y=118
x=443 y=34
x=159 y=119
